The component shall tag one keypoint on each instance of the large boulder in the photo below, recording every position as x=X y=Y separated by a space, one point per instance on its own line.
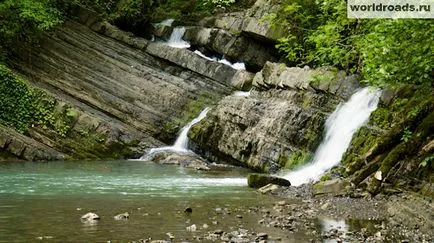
x=333 y=187
x=256 y=180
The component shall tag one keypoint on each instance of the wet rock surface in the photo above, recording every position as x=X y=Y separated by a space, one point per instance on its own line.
x=256 y=180
x=281 y=118
x=184 y=159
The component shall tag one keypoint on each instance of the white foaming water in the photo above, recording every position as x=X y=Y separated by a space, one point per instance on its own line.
x=203 y=56
x=339 y=127
x=181 y=143
x=242 y=93
x=167 y=22
x=176 y=40
x=237 y=65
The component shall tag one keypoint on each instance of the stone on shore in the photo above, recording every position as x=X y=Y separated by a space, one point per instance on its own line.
x=257 y=180
x=334 y=187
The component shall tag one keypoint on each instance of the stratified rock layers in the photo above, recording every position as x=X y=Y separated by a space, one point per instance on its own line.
x=283 y=116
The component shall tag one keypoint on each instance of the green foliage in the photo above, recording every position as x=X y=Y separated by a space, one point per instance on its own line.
x=295 y=160
x=428 y=160
x=398 y=51
x=406 y=135
x=22 y=106
x=219 y=4
x=383 y=51
x=22 y=18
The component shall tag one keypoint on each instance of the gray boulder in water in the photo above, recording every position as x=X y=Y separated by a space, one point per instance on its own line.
x=90 y=217
x=257 y=180
x=122 y=216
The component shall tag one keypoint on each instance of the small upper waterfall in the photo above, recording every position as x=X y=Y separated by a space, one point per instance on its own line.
x=176 y=40
x=182 y=140
x=181 y=143
x=167 y=22
x=339 y=128
x=237 y=65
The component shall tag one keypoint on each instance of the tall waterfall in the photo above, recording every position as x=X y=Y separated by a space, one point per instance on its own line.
x=339 y=127
x=176 y=40
x=181 y=143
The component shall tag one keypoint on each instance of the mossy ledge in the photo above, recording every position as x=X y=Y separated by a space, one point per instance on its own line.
x=395 y=150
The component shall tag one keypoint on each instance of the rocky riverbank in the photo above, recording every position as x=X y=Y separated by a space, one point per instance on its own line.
x=295 y=216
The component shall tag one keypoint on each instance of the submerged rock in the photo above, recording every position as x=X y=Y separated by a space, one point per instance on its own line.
x=90 y=217
x=256 y=180
x=122 y=216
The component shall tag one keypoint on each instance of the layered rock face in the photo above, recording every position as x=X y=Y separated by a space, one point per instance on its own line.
x=280 y=120
x=242 y=36
x=122 y=90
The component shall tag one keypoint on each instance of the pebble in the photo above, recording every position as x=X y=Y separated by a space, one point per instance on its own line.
x=191 y=228
x=188 y=210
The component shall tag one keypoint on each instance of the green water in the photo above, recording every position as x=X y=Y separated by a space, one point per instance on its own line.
x=47 y=200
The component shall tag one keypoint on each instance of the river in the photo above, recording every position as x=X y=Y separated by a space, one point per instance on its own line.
x=46 y=200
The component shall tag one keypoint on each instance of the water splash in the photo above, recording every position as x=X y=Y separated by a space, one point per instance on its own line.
x=167 y=22
x=339 y=127
x=242 y=93
x=176 y=40
x=181 y=143
x=237 y=65
x=214 y=59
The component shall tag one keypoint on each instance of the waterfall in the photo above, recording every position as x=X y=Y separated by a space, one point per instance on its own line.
x=237 y=65
x=176 y=40
x=182 y=140
x=339 y=128
x=181 y=143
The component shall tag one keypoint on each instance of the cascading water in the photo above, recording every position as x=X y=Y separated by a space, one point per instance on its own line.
x=176 y=40
x=181 y=143
x=340 y=127
x=167 y=22
x=237 y=65
x=242 y=93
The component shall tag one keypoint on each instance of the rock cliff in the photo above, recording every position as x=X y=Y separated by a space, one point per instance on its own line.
x=126 y=93
x=279 y=124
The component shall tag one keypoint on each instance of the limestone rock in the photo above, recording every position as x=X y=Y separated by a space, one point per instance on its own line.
x=187 y=59
x=270 y=188
x=123 y=96
x=90 y=217
x=256 y=180
x=275 y=75
x=331 y=187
